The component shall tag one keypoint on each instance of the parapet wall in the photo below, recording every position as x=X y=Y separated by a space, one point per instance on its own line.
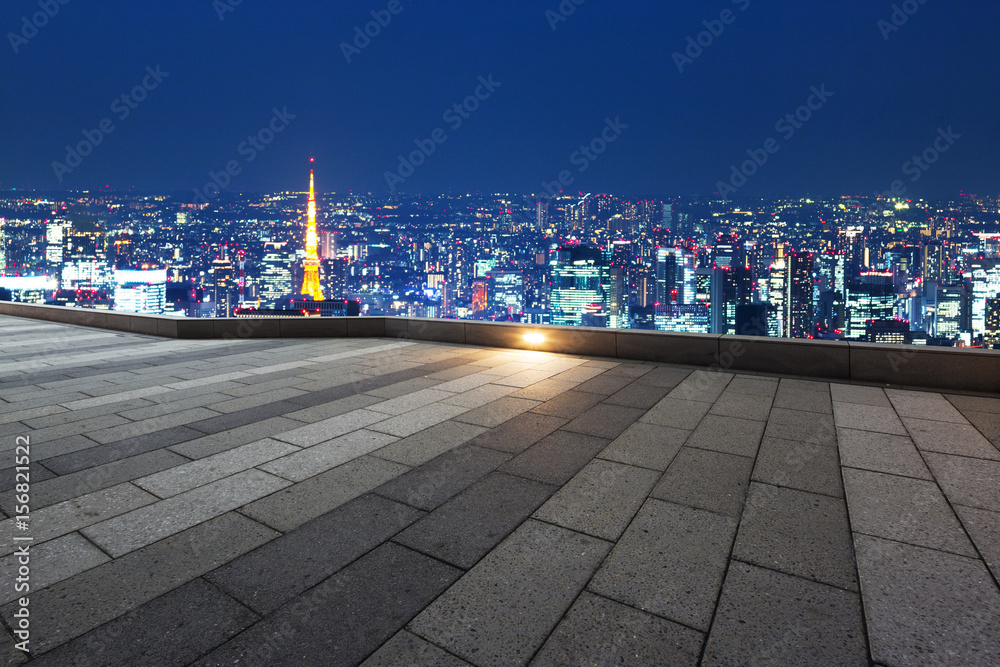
x=930 y=367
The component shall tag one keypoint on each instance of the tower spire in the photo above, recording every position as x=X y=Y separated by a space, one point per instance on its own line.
x=310 y=280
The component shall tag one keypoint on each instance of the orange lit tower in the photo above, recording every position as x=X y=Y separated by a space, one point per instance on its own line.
x=310 y=281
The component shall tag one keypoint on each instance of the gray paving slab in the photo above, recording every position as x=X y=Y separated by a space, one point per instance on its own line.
x=433 y=483
x=426 y=445
x=927 y=607
x=799 y=533
x=495 y=413
x=691 y=545
x=410 y=423
x=604 y=421
x=637 y=395
x=799 y=465
x=752 y=385
x=231 y=420
x=965 y=481
x=729 y=435
x=93 y=457
x=798 y=395
x=803 y=426
x=8 y=652
x=770 y=618
x=517 y=434
x=318 y=495
x=852 y=393
x=604 y=384
x=988 y=424
x=879 y=452
x=647 y=446
x=904 y=509
x=745 y=406
x=569 y=405
x=546 y=390
x=136 y=529
x=368 y=603
x=79 y=415
x=63 y=518
x=464 y=529
x=480 y=396
x=676 y=413
x=268 y=577
x=333 y=408
x=51 y=562
x=863 y=417
x=303 y=464
x=503 y=609
x=600 y=500
x=707 y=480
x=100 y=595
x=598 y=631
x=59 y=431
x=313 y=434
x=556 y=458
x=924 y=405
x=210 y=445
x=10 y=477
x=974 y=403
x=664 y=376
x=406 y=649
x=156 y=634
x=701 y=385
x=950 y=438
x=984 y=528
x=106 y=435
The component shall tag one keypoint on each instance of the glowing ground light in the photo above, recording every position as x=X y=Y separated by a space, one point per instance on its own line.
x=534 y=338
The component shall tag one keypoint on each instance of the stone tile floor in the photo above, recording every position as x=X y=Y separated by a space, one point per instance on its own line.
x=382 y=502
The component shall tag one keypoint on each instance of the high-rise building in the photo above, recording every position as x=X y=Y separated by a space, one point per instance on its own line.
x=800 y=295
x=275 y=275
x=508 y=291
x=985 y=285
x=3 y=248
x=952 y=316
x=991 y=337
x=55 y=232
x=579 y=278
x=223 y=287
x=310 y=265
x=870 y=298
x=85 y=263
x=141 y=291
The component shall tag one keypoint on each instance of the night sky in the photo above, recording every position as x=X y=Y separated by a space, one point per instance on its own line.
x=558 y=87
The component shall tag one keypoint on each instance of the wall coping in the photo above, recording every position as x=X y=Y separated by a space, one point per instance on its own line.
x=926 y=367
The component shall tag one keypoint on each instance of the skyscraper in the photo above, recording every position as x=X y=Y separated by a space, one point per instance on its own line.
x=310 y=280
x=579 y=278
x=223 y=287
x=871 y=298
x=141 y=291
x=800 y=295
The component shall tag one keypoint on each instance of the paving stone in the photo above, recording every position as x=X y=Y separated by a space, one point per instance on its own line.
x=744 y=406
x=556 y=458
x=927 y=607
x=707 y=480
x=664 y=376
x=8 y=653
x=424 y=446
x=984 y=529
x=867 y=418
x=156 y=634
x=367 y=603
x=974 y=403
x=80 y=604
x=145 y=427
x=210 y=445
x=604 y=384
x=569 y=405
x=669 y=562
x=598 y=631
x=116 y=451
x=334 y=408
x=728 y=435
x=464 y=529
x=231 y=420
x=769 y=618
x=270 y=576
x=151 y=408
x=793 y=395
x=892 y=454
x=413 y=422
x=51 y=562
x=410 y=402
x=136 y=529
x=67 y=445
x=205 y=471
x=503 y=609
x=853 y=393
x=604 y=421
x=545 y=390
x=434 y=482
x=524 y=378
x=78 y=415
x=950 y=438
x=799 y=465
x=924 y=405
x=313 y=434
x=646 y=446
x=678 y=414
x=965 y=481
x=406 y=649
x=297 y=504
x=57 y=520
x=306 y=463
x=516 y=435
x=88 y=426
x=752 y=385
x=600 y=500
x=580 y=374
x=495 y=413
x=480 y=396
x=904 y=509
x=802 y=426
x=705 y=386
x=36 y=473
x=637 y=395
x=988 y=424
x=798 y=533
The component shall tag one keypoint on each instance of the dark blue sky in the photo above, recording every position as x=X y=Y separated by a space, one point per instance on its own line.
x=607 y=60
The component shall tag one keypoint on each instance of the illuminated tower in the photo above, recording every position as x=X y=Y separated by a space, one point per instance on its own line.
x=310 y=281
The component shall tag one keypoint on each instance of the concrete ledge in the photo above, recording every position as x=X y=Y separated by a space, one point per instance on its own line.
x=931 y=367
x=809 y=358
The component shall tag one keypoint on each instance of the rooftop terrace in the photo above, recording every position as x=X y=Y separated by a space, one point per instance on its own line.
x=394 y=502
